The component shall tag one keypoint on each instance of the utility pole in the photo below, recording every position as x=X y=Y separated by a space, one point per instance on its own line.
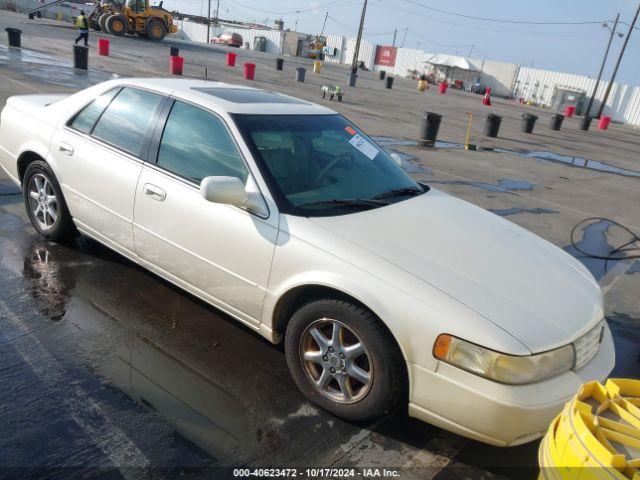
x=295 y=26
x=395 y=33
x=615 y=70
x=209 y=23
x=470 y=50
x=354 y=63
x=217 y=17
x=586 y=121
x=325 y=22
x=404 y=37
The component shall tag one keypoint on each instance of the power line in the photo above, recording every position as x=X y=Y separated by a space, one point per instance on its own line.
x=500 y=20
x=319 y=7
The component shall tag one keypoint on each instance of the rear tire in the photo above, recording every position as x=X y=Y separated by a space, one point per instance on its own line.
x=343 y=359
x=45 y=203
x=117 y=25
x=102 y=21
x=156 y=30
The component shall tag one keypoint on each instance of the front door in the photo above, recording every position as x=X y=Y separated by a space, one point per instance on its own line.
x=219 y=252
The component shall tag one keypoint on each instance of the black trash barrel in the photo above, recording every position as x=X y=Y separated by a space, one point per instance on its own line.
x=14 y=36
x=300 y=74
x=556 y=121
x=528 y=122
x=279 y=63
x=585 y=123
x=492 y=125
x=353 y=77
x=80 y=57
x=174 y=51
x=382 y=74
x=429 y=129
x=32 y=16
x=388 y=83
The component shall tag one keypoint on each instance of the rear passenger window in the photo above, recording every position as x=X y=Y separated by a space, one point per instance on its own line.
x=126 y=120
x=86 y=119
x=196 y=144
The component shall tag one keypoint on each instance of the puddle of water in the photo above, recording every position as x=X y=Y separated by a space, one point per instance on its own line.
x=49 y=68
x=577 y=162
x=594 y=240
x=504 y=185
x=399 y=142
x=540 y=155
x=505 y=212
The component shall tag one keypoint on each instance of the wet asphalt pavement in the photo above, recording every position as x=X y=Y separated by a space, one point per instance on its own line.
x=107 y=371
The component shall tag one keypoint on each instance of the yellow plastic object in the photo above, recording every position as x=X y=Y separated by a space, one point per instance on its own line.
x=59 y=16
x=422 y=85
x=597 y=435
x=317 y=66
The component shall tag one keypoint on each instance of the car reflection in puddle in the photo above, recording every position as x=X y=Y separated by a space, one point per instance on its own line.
x=107 y=334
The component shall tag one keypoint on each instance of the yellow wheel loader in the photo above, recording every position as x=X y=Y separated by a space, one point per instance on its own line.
x=133 y=17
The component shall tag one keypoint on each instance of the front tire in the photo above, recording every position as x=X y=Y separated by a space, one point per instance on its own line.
x=343 y=359
x=45 y=204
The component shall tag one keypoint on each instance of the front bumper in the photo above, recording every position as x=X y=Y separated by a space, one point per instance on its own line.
x=494 y=413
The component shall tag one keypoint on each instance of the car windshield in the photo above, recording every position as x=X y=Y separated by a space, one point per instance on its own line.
x=321 y=165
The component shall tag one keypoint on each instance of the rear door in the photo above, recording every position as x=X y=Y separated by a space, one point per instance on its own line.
x=99 y=156
x=221 y=253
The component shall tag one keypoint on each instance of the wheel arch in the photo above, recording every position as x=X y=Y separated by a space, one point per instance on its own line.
x=25 y=159
x=299 y=295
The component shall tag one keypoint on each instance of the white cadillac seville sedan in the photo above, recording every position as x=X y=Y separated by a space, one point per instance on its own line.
x=285 y=215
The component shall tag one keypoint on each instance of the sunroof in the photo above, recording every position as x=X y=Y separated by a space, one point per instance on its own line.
x=244 y=95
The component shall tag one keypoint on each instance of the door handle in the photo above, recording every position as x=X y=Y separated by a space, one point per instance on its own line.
x=154 y=192
x=65 y=148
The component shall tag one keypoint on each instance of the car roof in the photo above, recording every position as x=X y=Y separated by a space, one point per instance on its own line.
x=231 y=98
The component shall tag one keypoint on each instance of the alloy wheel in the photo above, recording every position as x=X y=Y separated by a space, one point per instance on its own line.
x=43 y=201
x=336 y=361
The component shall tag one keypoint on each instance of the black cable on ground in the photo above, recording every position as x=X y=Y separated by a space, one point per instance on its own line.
x=611 y=255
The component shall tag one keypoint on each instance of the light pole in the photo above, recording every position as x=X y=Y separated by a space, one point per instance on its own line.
x=615 y=70
x=586 y=121
x=353 y=74
x=209 y=23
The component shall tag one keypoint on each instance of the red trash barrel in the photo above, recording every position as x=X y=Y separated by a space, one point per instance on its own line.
x=249 y=71
x=103 y=46
x=569 y=111
x=175 y=64
x=443 y=87
x=605 y=120
x=231 y=59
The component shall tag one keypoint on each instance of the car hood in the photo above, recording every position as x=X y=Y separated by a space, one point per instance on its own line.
x=522 y=283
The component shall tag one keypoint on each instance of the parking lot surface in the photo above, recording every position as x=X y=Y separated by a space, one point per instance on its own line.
x=107 y=371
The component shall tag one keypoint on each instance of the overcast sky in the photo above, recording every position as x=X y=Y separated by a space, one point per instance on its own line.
x=567 y=48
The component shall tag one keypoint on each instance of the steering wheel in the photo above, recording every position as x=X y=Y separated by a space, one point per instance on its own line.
x=343 y=157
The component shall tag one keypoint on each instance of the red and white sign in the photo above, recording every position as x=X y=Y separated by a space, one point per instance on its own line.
x=386 y=56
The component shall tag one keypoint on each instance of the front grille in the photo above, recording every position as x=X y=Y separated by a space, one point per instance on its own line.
x=588 y=345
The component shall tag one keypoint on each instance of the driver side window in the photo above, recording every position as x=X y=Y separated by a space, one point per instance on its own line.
x=196 y=144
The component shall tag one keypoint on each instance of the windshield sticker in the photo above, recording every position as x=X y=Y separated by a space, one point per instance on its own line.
x=364 y=146
x=350 y=130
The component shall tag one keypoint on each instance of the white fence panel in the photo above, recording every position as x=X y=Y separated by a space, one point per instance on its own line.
x=366 y=54
x=623 y=104
x=337 y=42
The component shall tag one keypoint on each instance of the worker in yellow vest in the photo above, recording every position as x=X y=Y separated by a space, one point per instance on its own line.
x=83 y=27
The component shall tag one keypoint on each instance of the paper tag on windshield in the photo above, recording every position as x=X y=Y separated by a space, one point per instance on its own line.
x=364 y=146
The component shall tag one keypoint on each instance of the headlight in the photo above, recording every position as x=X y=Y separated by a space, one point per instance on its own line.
x=500 y=367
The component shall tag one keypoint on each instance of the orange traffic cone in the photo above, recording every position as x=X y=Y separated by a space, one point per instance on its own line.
x=486 y=100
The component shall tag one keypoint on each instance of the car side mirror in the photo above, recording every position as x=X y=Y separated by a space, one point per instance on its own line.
x=225 y=190
x=231 y=191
